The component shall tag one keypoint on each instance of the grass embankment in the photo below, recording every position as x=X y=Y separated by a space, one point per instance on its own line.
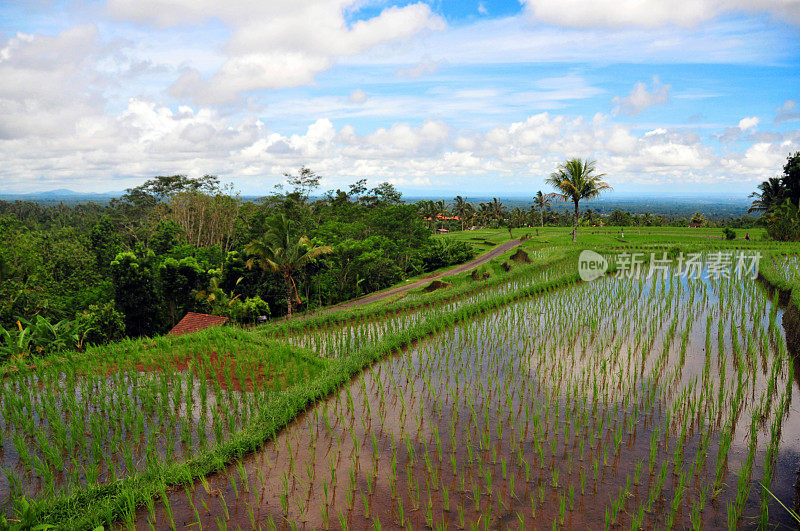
x=780 y=269
x=87 y=506
x=168 y=359
x=119 y=422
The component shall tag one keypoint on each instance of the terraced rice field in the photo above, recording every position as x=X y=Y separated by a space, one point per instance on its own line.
x=138 y=406
x=788 y=265
x=634 y=403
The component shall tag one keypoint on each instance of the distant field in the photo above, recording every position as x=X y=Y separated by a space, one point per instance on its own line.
x=481 y=238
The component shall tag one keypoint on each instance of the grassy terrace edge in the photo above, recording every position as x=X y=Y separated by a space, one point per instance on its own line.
x=787 y=291
x=380 y=309
x=100 y=504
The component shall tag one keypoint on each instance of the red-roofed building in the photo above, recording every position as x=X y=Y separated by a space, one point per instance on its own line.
x=194 y=322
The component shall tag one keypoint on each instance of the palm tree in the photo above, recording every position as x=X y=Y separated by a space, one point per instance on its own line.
x=494 y=211
x=517 y=217
x=542 y=202
x=575 y=180
x=470 y=215
x=424 y=209
x=441 y=210
x=430 y=210
x=771 y=195
x=483 y=213
x=283 y=252
x=460 y=209
x=697 y=219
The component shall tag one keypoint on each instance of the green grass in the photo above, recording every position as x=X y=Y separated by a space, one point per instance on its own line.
x=103 y=503
x=89 y=422
x=272 y=373
x=608 y=235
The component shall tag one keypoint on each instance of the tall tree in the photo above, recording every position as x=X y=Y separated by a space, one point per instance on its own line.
x=138 y=207
x=497 y=210
x=542 y=202
x=492 y=211
x=517 y=218
x=770 y=195
x=574 y=180
x=460 y=209
x=791 y=178
x=206 y=219
x=283 y=252
x=303 y=183
x=429 y=210
x=136 y=293
x=177 y=280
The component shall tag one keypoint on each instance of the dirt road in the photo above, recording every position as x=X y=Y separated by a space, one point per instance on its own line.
x=424 y=281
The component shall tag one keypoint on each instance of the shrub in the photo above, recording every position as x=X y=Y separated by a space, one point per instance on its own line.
x=783 y=223
x=102 y=324
x=729 y=233
x=249 y=310
x=445 y=253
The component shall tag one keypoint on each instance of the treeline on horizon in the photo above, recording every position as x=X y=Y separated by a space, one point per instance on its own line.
x=92 y=273
x=496 y=214
x=718 y=210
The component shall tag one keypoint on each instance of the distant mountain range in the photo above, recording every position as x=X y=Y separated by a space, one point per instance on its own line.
x=675 y=206
x=62 y=194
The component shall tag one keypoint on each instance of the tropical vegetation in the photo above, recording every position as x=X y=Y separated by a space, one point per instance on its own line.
x=777 y=200
x=575 y=180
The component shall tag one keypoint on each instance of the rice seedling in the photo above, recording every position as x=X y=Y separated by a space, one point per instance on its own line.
x=644 y=388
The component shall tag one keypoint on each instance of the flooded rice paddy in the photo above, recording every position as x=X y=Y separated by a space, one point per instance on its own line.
x=638 y=403
x=67 y=425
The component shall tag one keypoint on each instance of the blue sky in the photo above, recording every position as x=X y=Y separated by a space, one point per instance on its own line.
x=478 y=98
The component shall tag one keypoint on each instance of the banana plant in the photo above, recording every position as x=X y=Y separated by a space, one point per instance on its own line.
x=15 y=342
x=40 y=336
x=215 y=297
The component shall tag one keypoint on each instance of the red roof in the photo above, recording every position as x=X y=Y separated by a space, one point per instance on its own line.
x=440 y=217
x=194 y=322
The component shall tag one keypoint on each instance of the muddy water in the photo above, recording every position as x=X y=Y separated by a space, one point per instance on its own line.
x=602 y=404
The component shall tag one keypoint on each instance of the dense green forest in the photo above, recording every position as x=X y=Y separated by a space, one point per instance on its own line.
x=176 y=244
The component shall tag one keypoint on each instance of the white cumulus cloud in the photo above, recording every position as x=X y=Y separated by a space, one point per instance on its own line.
x=640 y=98
x=748 y=123
x=652 y=13
x=276 y=44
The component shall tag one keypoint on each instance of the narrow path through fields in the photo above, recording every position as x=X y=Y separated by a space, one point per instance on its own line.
x=381 y=295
